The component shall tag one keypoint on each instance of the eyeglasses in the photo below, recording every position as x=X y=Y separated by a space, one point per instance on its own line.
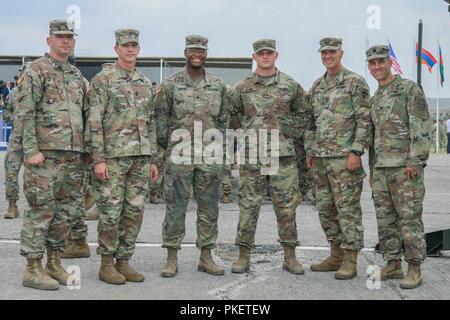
x=197 y=51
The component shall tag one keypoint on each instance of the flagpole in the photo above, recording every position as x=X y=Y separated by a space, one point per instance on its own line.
x=413 y=76
x=366 y=67
x=437 y=108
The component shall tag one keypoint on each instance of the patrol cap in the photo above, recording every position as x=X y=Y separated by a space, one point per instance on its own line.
x=62 y=26
x=377 y=52
x=196 y=42
x=124 y=36
x=330 y=43
x=264 y=44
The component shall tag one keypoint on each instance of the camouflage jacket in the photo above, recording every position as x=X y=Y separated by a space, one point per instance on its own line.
x=120 y=118
x=180 y=102
x=402 y=125
x=51 y=95
x=341 y=116
x=280 y=104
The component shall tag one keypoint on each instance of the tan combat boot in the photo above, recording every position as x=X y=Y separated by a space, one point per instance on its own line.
x=75 y=249
x=35 y=277
x=54 y=268
x=155 y=198
x=242 y=265
x=171 y=267
x=208 y=265
x=413 y=278
x=108 y=272
x=226 y=198
x=290 y=261
x=333 y=262
x=393 y=270
x=348 y=269
x=13 y=211
x=123 y=267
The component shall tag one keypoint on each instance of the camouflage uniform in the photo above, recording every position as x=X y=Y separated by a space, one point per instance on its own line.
x=179 y=103
x=121 y=133
x=402 y=127
x=342 y=125
x=14 y=156
x=156 y=187
x=278 y=102
x=51 y=100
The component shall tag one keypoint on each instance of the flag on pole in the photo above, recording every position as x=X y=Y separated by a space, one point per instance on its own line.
x=427 y=58
x=441 y=66
x=395 y=64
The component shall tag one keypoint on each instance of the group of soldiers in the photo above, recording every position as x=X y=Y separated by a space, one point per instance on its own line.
x=116 y=132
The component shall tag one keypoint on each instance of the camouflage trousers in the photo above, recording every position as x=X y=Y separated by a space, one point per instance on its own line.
x=304 y=173
x=79 y=229
x=338 y=195
x=225 y=177
x=13 y=164
x=121 y=201
x=399 y=206
x=179 y=180
x=55 y=197
x=283 y=189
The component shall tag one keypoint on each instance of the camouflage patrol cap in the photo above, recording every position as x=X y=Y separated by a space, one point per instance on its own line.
x=330 y=43
x=62 y=26
x=264 y=44
x=196 y=42
x=377 y=52
x=124 y=36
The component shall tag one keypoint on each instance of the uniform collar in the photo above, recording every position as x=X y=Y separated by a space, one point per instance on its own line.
x=336 y=79
x=66 y=67
x=275 y=80
x=123 y=74
x=188 y=78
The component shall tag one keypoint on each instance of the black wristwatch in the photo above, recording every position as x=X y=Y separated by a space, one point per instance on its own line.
x=357 y=153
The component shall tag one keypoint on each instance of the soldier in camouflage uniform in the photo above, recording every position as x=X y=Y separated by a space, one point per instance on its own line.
x=50 y=96
x=121 y=140
x=334 y=147
x=188 y=97
x=305 y=175
x=14 y=157
x=398 y=155
x=272 y=100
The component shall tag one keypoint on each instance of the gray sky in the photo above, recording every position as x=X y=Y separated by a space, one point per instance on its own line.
x=233 y=25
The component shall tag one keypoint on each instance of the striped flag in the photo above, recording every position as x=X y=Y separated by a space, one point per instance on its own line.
x=441 y=66
x=395 y=64
x=427 y=58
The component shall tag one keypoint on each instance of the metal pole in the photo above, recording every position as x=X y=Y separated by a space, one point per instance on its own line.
x=161 y=71
x=419 y=54
x=437 y=111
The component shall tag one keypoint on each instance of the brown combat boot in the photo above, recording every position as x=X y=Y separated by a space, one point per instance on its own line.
x=393 y=270
x=208 y=265
x=413 y=278
x=35 y=277
x=123 y=267
x=226 y=198
x=155 y=198
x=348 y=269
x=242 y=265
x=108 y=272
x=76 y=249
x=290 y=261
x=171 y=267
x=13 y=211
x=54 y=268
x=333 y=262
